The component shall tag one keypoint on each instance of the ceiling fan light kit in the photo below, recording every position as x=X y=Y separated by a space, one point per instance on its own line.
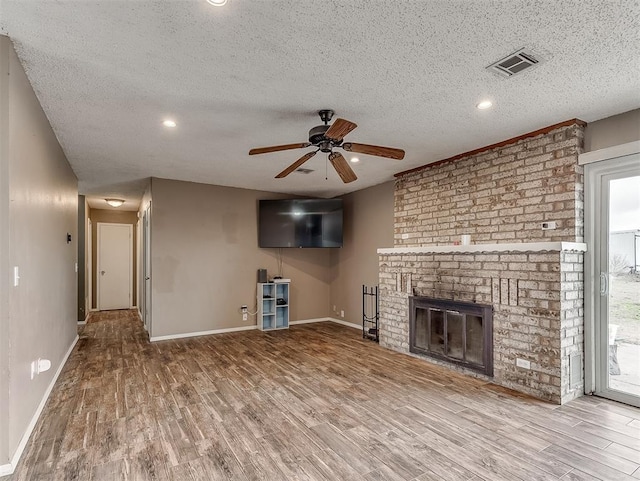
x=326 y=138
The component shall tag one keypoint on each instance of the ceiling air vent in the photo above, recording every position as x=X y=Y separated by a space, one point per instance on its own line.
x=304 y=171
x=514 y=63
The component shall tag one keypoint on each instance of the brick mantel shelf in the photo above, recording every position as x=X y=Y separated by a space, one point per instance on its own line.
x=487 y=248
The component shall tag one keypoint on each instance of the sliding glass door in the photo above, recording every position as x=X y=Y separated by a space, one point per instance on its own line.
x=613 y=232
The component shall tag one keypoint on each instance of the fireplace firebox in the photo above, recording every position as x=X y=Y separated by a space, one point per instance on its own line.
x=460 y=333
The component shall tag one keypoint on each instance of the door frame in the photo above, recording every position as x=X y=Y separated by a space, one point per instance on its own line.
x=98 y=245
x=89 y=260
x=609 y=163
x=145 y=243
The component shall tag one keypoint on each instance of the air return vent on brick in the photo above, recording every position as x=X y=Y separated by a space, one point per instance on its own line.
x=514 y=63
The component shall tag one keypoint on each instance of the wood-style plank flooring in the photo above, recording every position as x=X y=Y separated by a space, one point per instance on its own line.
x=315 y=402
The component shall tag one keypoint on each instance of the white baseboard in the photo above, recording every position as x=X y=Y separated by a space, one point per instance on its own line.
x=250 y=328
x=310 y=321
x=7 y=469
x=345 y=323
x=326 y=319
x=202 y=333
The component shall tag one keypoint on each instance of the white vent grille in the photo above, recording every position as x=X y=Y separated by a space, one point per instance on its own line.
x=514 y=63
x=304 y=171
x=575 y=370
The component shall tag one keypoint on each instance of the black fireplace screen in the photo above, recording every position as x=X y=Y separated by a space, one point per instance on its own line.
x=457 y=332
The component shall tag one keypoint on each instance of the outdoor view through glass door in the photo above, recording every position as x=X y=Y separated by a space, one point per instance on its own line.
x=623 y=330
x=616 y=274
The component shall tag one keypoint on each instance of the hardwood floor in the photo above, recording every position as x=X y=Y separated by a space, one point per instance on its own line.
x=312 y=403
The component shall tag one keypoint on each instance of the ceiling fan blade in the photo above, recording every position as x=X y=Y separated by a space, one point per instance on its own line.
x=341 y=165
x=277 y=148
x=295 y=165
x=388 y=152
x=339 y=129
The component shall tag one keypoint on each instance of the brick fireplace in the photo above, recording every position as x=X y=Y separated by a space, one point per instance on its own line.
x=531 y=277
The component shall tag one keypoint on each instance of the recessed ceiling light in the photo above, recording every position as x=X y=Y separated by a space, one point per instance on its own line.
x=169 y=123
x=355 y=159
x=485 y=104
x=115 y=202
x=217 y=3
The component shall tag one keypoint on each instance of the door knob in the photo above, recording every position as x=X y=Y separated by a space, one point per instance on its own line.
x=102 y=273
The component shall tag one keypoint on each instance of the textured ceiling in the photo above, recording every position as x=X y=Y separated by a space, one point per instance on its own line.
x=254 y=73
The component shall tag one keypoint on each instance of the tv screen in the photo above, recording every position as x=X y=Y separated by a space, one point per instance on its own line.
x=300 y=223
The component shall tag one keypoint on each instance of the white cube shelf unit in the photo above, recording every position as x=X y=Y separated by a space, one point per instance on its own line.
x=273 y=306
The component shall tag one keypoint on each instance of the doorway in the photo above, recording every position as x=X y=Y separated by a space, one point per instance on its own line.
x=612 y=222
x=114 y=266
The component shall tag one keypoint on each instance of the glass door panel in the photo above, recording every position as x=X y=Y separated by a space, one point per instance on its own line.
x=612 y=224
x=623 y=289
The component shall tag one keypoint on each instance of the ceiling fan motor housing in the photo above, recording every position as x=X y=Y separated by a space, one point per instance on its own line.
x=316 y=136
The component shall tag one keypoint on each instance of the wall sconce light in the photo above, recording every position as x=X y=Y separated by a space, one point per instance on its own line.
x=115 y=202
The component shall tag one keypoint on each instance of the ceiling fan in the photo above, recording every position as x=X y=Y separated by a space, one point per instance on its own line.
x=326 y=138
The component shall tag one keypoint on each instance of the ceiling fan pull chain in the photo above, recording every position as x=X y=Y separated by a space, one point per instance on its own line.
x=326 y=168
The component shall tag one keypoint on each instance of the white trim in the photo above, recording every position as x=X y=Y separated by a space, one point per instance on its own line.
x=621 y=150
x=6 y=469
x=250 y=328
x=327 y=319
x=82 y=323
x=481 y=248
x=310 y=321
x=345 y=323
x=202 y=333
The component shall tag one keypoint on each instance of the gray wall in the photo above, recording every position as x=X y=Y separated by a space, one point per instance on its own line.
x=39 y=316
x=615 y=130
x=368 y=225
x=205 y=256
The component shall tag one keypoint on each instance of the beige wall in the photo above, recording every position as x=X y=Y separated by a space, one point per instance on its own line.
x=615 y=130
x=5 y=266
x=41 y=317
x=368 y=225
x=205 y=256
x=116 y=217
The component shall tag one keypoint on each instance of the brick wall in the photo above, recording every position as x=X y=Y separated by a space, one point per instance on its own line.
x=537 y=301
x=501 y=195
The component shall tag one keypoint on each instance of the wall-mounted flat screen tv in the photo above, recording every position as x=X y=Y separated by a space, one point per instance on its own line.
x=300 y=223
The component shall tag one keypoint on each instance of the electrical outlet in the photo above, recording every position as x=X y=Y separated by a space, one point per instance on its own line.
x=523 y=363
x=16 y=276
x=334 y=308
x=34 y=369
x=405 y=236
x=244 y=316
x=342 y=313
x=550 y=225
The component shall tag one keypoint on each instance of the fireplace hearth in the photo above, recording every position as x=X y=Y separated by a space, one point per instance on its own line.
x=457 y=332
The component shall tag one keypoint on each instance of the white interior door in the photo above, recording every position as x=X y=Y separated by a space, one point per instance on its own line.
x=114 y=266
x=614 y=197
